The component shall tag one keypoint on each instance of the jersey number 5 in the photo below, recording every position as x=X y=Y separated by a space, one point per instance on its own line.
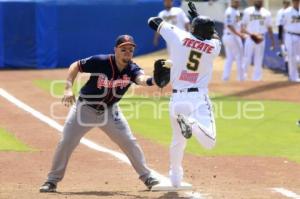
x=194 y=60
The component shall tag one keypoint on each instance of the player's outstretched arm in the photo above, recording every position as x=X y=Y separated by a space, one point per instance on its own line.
x=161 y=74
x=154 y=22
x=144 y=80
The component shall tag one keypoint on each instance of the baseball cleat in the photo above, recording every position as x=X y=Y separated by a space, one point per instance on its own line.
x=185 y=127
x=298 y=123
x=48 y=187
x=150 y=182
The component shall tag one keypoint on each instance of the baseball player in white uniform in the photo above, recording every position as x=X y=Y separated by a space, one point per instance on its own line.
x=232 y=40
x=291 y=26
x=286 y=4
x=282 y=53
x=174 y=16
x=256 y=20
x=192 y=54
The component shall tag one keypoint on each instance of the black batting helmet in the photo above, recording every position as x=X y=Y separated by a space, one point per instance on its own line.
x=203 y=27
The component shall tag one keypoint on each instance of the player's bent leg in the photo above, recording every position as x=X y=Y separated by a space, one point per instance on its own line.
x=207 y=138
x=72 y=133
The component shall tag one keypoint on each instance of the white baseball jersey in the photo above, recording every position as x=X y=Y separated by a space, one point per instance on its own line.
x=232 y=17
x=279 y=16
x=192 y=59
x=257 y=21
x=175 y=16
x=291 y=20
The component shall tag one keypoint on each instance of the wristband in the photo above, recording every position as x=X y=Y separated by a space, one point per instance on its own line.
x=149 y=81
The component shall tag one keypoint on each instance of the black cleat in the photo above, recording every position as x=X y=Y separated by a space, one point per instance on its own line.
x=150 y=182
x=185 y=127
x=48 y=187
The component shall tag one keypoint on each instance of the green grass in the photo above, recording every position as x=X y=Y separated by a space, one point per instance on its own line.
x=8 y=142
x=55 y=88
x=275 y=134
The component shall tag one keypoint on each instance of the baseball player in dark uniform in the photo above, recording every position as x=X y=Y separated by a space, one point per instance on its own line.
x=111 y=76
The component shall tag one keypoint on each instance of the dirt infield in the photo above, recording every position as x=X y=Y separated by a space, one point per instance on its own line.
x=92 y=174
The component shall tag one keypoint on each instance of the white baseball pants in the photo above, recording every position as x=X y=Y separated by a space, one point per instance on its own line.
x=257 y=50
x=292 y=44
x=234 y=52
x=198 y=108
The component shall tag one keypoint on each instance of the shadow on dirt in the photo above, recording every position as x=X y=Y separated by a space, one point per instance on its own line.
x=172 y=195
x=102 y=193
x=167 y=195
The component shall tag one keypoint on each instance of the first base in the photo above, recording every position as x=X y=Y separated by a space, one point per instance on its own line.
x=166 y=185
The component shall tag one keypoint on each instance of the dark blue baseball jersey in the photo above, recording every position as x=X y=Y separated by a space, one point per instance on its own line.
x=106 y=84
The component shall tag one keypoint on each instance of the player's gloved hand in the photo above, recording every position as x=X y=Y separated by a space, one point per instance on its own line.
x=257 y=38
x=161 y=73
x=69 y=98
x=192 y=10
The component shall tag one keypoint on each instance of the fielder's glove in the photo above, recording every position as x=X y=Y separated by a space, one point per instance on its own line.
x=161 y=73
x=192 y=10
x=257 y=38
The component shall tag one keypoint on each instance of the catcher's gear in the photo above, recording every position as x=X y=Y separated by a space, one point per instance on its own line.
x=192 y=10
x=161 y=73
x=203 y=27
x=257 y=38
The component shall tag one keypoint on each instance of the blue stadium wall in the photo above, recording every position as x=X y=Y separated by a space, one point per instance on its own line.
x=54 y=33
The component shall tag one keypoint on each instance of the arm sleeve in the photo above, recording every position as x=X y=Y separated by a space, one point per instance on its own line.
x=88 y=65
x=169 y=32
x=136 y=71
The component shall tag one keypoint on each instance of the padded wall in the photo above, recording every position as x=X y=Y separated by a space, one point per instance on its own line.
x=50 y=34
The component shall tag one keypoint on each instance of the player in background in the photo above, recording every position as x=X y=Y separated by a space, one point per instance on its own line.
x=282 y=53
x=232 y=40
x=192 y=54
x=291 y=27
x=173 y=15
x=256 y=20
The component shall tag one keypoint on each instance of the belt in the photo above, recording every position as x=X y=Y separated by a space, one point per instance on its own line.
x=98 y=107
x=188 y=90
x=293 y=33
